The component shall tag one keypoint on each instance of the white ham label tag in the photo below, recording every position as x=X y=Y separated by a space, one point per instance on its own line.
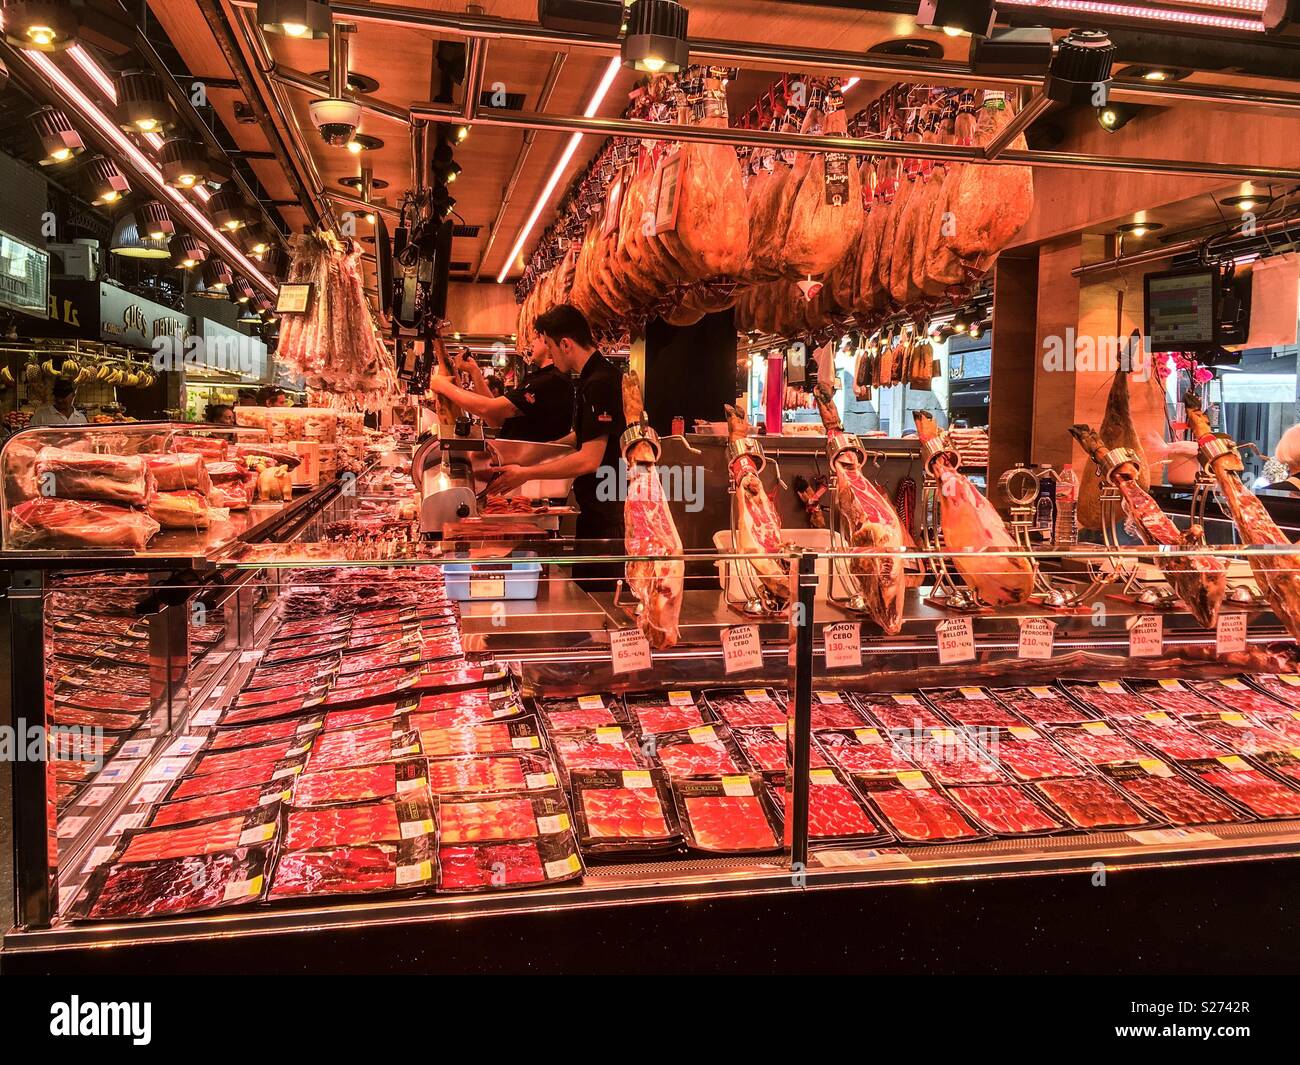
x=1230 y=633
x=956 y=638
x=1036 y=638
x=733 y=785
x=1146 y=636
x=629 y=650
x=487 y=587
x=591 y=702
x=681 y=699
x=843 y=645
x=740 y=649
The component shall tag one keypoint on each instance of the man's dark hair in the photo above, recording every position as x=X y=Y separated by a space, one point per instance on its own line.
x=565 y=321
x=63 y=388
x=215 y=411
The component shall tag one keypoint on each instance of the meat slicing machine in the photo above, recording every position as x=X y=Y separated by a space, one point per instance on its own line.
x=443 y=470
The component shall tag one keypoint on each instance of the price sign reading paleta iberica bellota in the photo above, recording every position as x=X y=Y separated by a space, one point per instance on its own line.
x=629 y=650
x=1036 y=638
x=843 y=645
x=956 y=638
x=740 y=648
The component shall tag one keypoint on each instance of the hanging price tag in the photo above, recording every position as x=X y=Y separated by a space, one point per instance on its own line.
x=629 y=650
x=1036 y=638
x=1146 y=636
x=740 y=649
x=956 y=638
x=1230 y=633
x=843 y=645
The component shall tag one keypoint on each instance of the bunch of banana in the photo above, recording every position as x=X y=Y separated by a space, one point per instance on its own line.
x=70 y=369
x=6 y=376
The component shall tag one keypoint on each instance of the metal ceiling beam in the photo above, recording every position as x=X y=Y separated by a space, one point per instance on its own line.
x=318 y=87
x=1170 y=251
x=1037 y=106
x=623 y=127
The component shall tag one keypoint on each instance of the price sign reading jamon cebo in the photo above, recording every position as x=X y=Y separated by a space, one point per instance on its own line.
x=740 y=649
x=956 y=638
x=1036 y=638
x=629 y=650
x=843 y=645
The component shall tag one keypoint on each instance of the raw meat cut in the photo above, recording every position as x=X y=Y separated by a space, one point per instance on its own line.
x=1200 y=581
x=1003 y=809
x=650 y=535
x=1097 y=746
x=1261 y=795
x=653 y=718
x=758 y=528
x=971 y=524
x=921 y=814
x=470 y=822
x=462 y=868
x=342 y=826
x=729 y=823
x=239 y=801
x=174 y=473
x=351 y=784
x=624 y=814
x=1177 y=801
x=207 y=837
x=1091 y=803
x=1033 y=758
x=82 y=475
x=179 y=885
x=689 y=759
x=1278 y=576
x=971 y=706
x=342 y=870
x=868 y=521
x=833 y=810
x=50 y=522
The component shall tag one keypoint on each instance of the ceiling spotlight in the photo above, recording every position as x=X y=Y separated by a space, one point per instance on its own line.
x=370 y=217
x=45 y=25
x=1114 y=117
x=155 y=222
x=142 y=103
x=184 y=163
x=960 y=323
x=977 y=329
x=462 y=132
x=241 y=290
x=188 y=252
x=107 y=182
x=59 y=140
x=1138 y=229
x=229 y=211
x=1082 y=64
x=957 y=17
x=214 y=280
x=1247 y=202
x=132 y=242
x=656 y=37
x=305 y=20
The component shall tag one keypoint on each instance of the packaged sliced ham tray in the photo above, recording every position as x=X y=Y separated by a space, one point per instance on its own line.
x=626 y=811
x=1005 y=809
x=651 y=713
x=834 y=710
x=491 y=774
x=898 y=711
x=174 y=886
x=914 y=808
x=863 y=750
x=739 y=707
x=353 y=824
x=1027 y=753
x=704 y=751
x=466 y=867
x=1233 y=778
x=1171 y=797
x=726 y=815
x=581 y=712
x=490 y=737
x=598 y=748
x=366 y=869
x=527 y=815
x=1090 y=803
x=971 y=706
x=766 y=750
x=357 y=783
x=835 y=812
x=256 y=827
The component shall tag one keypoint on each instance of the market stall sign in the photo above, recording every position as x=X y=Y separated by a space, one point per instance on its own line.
x=1230 y=633
x=293 y=298
x=93 y=310
x=1036 y=638
x=1146 y=636
x=956 y=638
x=843 y=645
x=740 y=649
x=24 y=277
x=629 y=650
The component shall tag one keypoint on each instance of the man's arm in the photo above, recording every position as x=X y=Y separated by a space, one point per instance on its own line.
x=492 y=409
x=478 y=383
x=586 y=459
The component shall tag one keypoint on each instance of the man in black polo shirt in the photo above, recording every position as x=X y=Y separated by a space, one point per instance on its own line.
x=539 y=409
x=598 y=423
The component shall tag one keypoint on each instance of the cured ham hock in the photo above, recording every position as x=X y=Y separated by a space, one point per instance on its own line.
x=758 y=529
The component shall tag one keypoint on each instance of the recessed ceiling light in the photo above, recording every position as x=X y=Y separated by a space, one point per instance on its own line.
x=1156 y=74
x=1139 y=229
x=362 y=142
x=355 y=183
x=357 y=83
x=1247 y=202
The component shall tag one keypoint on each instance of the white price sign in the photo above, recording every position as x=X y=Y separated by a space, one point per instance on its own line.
x=1230 y=633
x=1146 y=636
x=1036 y=638
x=956 y=638
x=740 y=649
x=487 y=587
x=843 y=645
x=629 y=650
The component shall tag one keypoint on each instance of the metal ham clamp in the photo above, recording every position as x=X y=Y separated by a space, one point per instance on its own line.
x=866 y=524
x=1278 y=576
x=656 y=572
x=1200 y=582
x=755 y=527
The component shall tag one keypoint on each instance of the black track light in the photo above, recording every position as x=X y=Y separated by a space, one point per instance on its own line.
x=142 y=104
x=304 y=20
x=108 y=184
x=656 y=37
x=59 y=141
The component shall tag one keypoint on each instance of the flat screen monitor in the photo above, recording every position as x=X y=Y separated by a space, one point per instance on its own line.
x=1182 y=309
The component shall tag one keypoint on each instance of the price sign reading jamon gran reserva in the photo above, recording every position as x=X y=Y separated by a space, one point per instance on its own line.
x=629 y=650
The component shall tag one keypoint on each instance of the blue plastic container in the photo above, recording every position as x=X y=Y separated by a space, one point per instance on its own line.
x=494 y=579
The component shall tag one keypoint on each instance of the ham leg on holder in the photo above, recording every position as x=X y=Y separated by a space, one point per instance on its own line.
x=872 y=526
x=971 y=524
x=758 y=529
x=1201 y=582
x=1278 y=575
x=657 y=582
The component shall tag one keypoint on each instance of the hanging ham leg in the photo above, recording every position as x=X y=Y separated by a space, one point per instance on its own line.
x=1278 y=576
x=872 y=526
x=971 y=524
x=649 y=531
x=1201 y=581
x=758 y=529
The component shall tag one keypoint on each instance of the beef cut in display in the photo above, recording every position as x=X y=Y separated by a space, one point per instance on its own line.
x=1004 y=809
x=1091 y=803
